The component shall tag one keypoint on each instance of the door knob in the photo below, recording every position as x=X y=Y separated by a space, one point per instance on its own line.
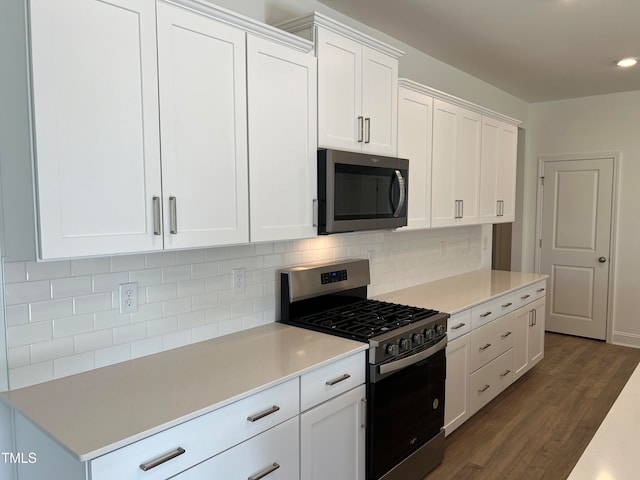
x=602 y=259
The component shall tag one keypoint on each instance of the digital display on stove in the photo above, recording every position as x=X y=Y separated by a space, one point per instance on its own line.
x=333 y=277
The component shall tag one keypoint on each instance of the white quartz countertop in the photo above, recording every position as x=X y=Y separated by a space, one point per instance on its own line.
x=611 y=454
x=95 y=412
x=457 y=293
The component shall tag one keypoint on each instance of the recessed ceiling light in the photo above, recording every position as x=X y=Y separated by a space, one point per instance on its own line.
x=627 y=62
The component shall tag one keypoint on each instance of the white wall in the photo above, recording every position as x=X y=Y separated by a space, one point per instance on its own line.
x=595 y=124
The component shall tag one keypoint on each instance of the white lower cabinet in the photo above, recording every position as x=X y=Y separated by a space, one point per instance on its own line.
x=498 y=346
x=456 y=405
x=332 y=438
x=272 y=455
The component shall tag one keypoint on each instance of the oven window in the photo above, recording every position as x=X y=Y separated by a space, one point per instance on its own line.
x=402 y=416
x=364 y=192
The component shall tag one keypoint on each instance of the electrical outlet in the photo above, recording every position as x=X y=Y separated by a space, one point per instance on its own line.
x=238 y=280
x=128 y=293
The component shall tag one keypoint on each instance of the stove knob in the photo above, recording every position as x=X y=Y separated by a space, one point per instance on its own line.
x=418 y=338
x=429 y=333
x=393 y=349
x=441 y=329
x=405 y=344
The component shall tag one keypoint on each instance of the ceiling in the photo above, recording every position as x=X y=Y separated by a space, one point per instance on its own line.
x=536 y=50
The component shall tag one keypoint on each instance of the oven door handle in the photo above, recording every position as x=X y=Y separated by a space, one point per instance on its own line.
x=405 y=362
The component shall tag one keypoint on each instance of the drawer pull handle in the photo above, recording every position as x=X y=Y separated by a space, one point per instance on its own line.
x=485 y=347
x=484 y=389
x=341 y=378
x=260 y=415
x=507 y=305
x=162 y=459
x=486 y=314
x=265 y=472
x=460 y=325
x=505 y=373
x=540 y=290
x=525 y=297
x=505 y=335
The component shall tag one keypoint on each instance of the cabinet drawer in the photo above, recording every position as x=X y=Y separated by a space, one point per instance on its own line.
x=459 y=324
x=491 y=341
x=331 y=380
x=488 y=311
x=201 y=437
x=489 y=381
x=275 y=451
x=530 y=293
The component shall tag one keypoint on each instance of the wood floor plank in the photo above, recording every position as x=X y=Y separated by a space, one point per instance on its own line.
x=538 y=428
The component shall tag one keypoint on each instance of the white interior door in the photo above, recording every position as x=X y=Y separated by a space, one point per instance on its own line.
x=576 y=236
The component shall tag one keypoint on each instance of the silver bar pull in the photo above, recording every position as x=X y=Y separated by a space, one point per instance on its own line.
x=456 y=327
x=531 y=318
x=173 y=216
x=367 y=132
x=502 y=208
x=484 y=389
x=486 y=314
x=461 y=208
x=402 y=198
x=341 y=378
x=315 y=212
x=505 y=335
x=485 y=346
x=535 y=317
x=525 y=297
x=506 y=305
x=497 y=208
x=360 y=129
x=157 y=220
x=505 y=373
x=265 y=472
x=258 y=416
x=162 y=459
x=363 y=423
x=540 y=290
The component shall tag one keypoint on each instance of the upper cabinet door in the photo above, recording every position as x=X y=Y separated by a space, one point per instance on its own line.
x=203 y=108
x=467 y=165
x=415 y=114
x=282 y=141
x=340 y=121
x=444 y=203
x=379 y=102
x=498 y=172
x=95 y=105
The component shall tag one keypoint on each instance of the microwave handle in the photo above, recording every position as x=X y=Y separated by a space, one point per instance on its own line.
x=402 y=199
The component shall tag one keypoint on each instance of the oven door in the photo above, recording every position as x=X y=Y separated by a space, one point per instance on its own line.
x=406 y=407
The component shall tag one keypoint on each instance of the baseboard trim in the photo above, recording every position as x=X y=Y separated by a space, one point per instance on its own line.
x=626 y=339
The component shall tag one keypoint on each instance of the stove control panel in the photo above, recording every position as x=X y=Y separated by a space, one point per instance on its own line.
x=333 y=277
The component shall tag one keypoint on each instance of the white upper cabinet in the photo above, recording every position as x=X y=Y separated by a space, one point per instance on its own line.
x=203 y=105
x=498 y=173
x=95 y=105
x=357 y=86
x=456 y=165
x=282 y=141
x=415 y=119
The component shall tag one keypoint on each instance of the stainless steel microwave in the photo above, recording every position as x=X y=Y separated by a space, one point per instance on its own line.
x=359 y=191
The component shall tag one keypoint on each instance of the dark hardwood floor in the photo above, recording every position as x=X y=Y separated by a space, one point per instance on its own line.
x=540 y=425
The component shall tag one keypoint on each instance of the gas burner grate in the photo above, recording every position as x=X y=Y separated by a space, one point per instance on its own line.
x=365 y=319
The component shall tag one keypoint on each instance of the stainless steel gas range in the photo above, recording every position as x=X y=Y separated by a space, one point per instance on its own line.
x=406 y=365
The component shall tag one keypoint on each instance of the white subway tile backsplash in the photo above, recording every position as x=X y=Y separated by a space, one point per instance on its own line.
x=29 y=333
x=72 y=286
x=187 y=296
x=27 y=292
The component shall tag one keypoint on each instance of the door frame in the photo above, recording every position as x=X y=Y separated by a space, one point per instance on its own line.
x=615 y=156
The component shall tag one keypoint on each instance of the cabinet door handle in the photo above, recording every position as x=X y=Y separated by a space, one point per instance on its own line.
x=173 y=216
x=456 y=327
x=486 y=314
x=540 y=290
x=341 y=378
x=461 y=208
x=506 y=305
x=367 y=132
x=497 y=208
x=505 y=373
x=484 y=347
x=484 y=389
x=505 y=335
x=360 y=129
x=157 y=221
x=535 y=317
x=531 y=318
x=265 y=472
x=162 y=459
x=314 y=208
x=363 y=423
x=258 y=416
x=525 y=297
